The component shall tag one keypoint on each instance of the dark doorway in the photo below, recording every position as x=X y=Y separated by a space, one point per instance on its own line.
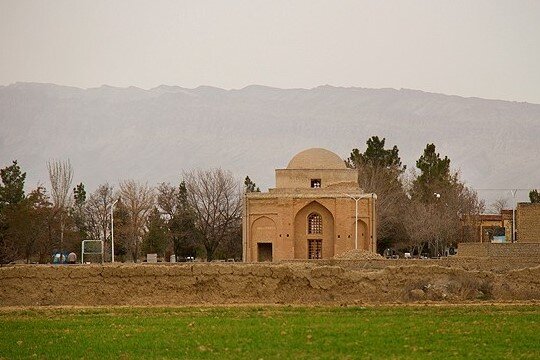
x=264 y=251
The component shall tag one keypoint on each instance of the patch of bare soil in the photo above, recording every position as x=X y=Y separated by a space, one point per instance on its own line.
x=306 y=283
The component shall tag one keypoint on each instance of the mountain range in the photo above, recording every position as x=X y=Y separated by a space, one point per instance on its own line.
x=111 y=134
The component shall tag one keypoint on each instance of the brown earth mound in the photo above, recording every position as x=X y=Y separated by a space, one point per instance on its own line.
x=358 y=254
x=298 y=283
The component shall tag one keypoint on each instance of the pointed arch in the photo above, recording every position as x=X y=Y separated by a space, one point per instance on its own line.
x=263 y=231
x=313 y=224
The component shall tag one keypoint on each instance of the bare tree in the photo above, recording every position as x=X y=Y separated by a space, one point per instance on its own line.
x=138 y=200
x=97 y=210
x=391 y=200
x=61 y=176
x=420 y=222
x=216 y=198
x=499 y=205
x=438 y=222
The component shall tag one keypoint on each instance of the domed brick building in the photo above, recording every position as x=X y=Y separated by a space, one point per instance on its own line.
x=311 y=212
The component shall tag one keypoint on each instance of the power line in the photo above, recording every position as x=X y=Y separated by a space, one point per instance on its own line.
x=513 y=189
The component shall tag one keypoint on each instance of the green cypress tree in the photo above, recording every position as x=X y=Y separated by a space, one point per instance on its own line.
x=534 y=196
x=434 y=177
x=12 y=186
x=155 y=240
x=250 y=186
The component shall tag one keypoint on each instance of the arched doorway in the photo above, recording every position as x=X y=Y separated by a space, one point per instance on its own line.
x=313 y=232
x=263 y=235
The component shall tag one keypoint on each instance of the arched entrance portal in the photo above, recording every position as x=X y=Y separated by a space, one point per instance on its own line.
x=263 y=233
x=313 y=232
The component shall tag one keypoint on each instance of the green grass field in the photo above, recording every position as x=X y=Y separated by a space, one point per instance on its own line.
x=270 y=332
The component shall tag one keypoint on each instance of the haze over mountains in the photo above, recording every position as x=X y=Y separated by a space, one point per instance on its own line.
x=111 y=134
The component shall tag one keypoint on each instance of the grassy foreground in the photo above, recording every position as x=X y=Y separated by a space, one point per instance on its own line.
x=270 y=332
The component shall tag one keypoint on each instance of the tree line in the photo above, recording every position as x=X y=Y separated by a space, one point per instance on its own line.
x=417 y=211
x=198 y=217
x=420 y=210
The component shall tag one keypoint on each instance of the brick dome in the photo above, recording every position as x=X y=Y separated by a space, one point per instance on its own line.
x=316 y=158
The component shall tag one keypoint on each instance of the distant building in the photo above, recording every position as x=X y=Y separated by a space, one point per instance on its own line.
x=487 y=227
x=310 y=213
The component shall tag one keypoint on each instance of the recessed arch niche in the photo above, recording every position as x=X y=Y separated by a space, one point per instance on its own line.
x=263 y=230
x=302 y=235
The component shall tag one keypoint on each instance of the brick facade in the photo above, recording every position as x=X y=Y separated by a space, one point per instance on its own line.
x=507 y=250
x=528 y=222
x=276 y=223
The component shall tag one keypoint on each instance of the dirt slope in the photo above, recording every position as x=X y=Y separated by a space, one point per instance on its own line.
x=289 y=283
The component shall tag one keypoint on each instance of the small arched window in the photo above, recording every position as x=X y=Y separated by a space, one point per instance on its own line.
x=314 y=223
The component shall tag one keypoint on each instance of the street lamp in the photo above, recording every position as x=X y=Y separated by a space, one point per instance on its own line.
x=112 y=229
x=356 y=199
x=514 y=216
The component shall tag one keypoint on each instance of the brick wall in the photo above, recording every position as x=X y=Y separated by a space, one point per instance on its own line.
x=528 y=223
x=508 y=250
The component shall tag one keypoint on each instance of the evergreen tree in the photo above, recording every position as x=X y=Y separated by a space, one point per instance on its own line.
x=155 y=240
x=376 y=156
x=434 y=178
x=11 y=195
x=79 y=194
x=379 y=172
x=12 y=186
x=182 y=225
x=438 y=199
x=182 y=234
x=250 y=186
x=534 y=196
x=78 y=212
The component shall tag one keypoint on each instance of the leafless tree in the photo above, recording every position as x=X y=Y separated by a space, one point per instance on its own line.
x=138 y=200
x=499 y=204
x=97 y=211
x=438 y=223
x=216 y=198
x=391 y=199
x=168 y=199
x=61 y=176
x=420 y=221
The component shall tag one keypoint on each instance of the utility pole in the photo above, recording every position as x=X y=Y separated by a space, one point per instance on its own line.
x=112 y=229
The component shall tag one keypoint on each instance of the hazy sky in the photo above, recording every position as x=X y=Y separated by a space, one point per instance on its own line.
x=488 y=49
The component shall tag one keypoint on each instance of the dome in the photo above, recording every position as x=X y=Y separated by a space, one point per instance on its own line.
x=316 y=158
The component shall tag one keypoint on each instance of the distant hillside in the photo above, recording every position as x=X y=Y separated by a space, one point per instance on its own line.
x=152 y=135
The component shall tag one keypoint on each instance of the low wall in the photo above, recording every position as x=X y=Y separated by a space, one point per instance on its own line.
x=504 y=250
x=302 y=283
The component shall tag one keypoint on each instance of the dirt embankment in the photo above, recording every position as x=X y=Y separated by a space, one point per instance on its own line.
x=287 y=283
